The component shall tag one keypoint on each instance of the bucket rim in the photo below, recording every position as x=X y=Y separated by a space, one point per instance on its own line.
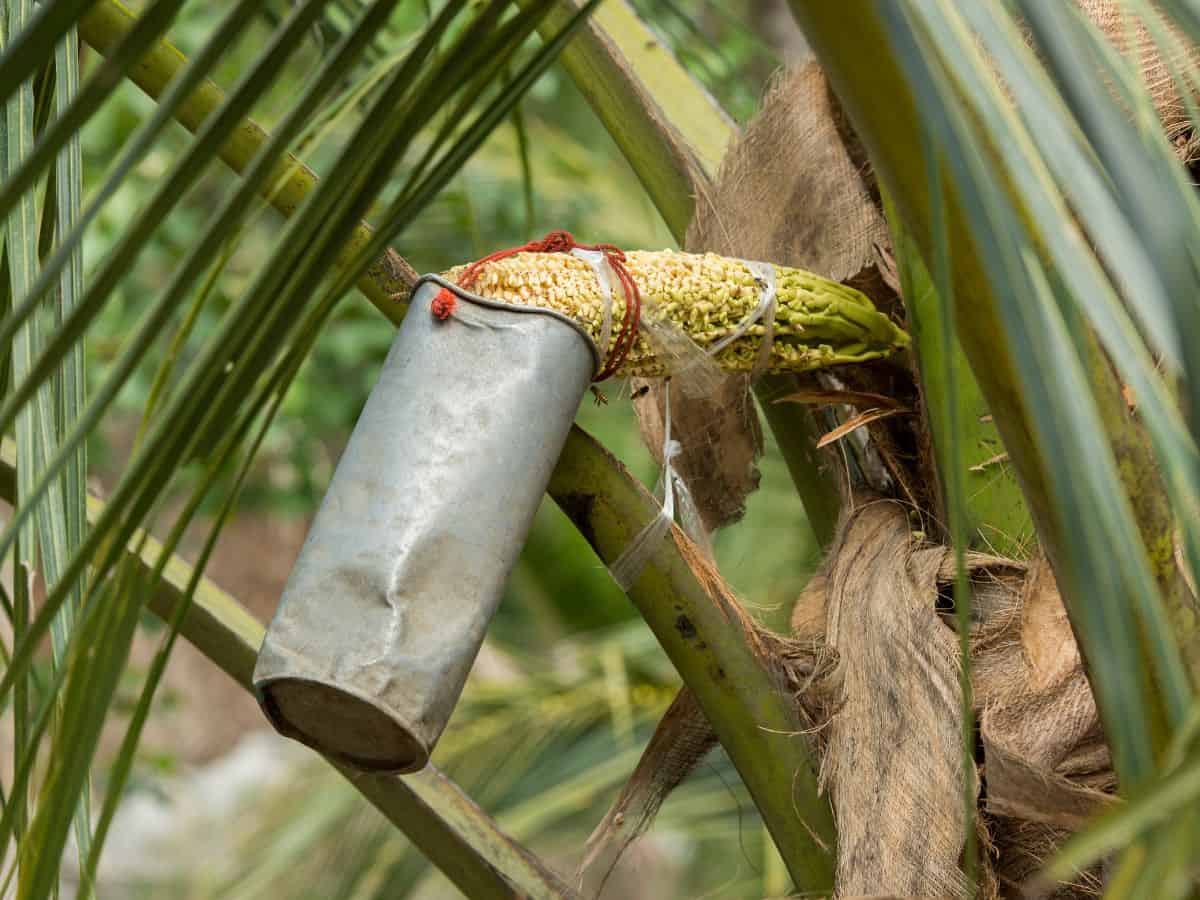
x=416 y=759
x=464 y=294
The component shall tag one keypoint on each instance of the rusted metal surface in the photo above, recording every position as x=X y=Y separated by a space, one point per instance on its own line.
x=426 y=514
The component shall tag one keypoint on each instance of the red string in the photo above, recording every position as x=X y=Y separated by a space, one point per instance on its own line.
x=563 y=242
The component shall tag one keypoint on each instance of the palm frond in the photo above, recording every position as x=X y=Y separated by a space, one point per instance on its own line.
x=1079 y=263
x=547 y=785
x=235 y=376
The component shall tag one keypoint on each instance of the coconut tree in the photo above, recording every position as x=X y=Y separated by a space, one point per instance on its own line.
x=991 y=678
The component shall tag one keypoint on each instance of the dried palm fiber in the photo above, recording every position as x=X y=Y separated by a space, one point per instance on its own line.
x=1045 y=761
x=1129 y=36
x=1048 y=767
x=789 y=190
x=673 y=752
x=1023 y=849
x=1044 y=751
x=1044 y=757
x=818 y=322
x=893 y=760
x=873 y=668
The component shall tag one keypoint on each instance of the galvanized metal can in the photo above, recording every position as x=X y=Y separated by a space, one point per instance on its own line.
x=426 y=514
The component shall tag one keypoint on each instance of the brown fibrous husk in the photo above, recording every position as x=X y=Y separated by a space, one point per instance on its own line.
x=789 y=192
x=1135 y=42
x=890 y=743
x=873 y=663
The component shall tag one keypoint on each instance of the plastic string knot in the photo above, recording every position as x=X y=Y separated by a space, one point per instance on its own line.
x=554 y=242
x=444 y=302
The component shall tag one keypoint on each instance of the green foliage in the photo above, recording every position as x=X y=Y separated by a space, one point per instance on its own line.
x=478 y=211
x=1058 y=238
x=233 y=374
x=1026 y=183
x=591 y=707
x=720 y=47
x=156 y=193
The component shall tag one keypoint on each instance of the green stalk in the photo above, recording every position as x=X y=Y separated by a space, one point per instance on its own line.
x=880 y=102
x=997 y=517
x=672 y=132
x=776 y=764
x=704 y=634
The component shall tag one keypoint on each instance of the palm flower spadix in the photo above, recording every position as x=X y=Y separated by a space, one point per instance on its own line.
x=818 y=322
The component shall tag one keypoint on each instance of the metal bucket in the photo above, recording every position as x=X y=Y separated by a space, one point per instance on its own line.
x=405 y=563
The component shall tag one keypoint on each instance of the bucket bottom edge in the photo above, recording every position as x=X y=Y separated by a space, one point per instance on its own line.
x=342 y=725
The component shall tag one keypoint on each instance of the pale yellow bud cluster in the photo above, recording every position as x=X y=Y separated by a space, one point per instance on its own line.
x=818 y=322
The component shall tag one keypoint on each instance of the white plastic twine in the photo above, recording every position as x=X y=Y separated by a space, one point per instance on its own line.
x=690 y=520
x=764 y=274
x=630 y=563
x=598 y=260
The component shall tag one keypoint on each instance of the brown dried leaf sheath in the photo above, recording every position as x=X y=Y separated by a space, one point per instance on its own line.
x=891 y=729
x=788 y=191
x=863 y=418
x=873 y=666
x=1134 y=41
x=893 y=762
